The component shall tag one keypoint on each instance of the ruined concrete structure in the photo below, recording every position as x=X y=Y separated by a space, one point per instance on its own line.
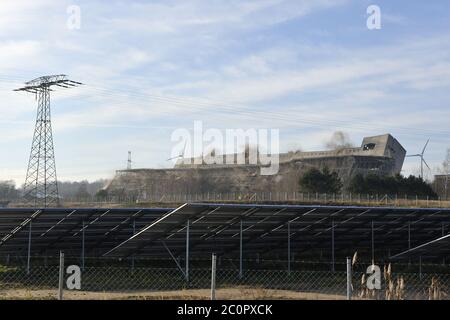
x=382 y=155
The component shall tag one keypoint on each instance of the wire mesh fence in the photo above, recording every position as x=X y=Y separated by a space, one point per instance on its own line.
x=391 y=200
x=108 y=280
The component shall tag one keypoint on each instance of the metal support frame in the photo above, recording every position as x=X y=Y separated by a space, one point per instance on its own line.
x=409 y=240
x=409 y=235
x=332 y=246
x=82 y=246
x=174 y=259
x=373 y=246
x=29 y=249
x=443 y=233
x=289 y=246
x=240 y=252
x=420 y=267
x=186 y=272
x=132 y=257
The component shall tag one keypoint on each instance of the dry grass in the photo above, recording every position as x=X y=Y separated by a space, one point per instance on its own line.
x=435 y=291
x=237 y=293
x=400 y=202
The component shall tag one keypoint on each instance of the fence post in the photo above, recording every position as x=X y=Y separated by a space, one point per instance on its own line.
x=332 y=246
x=187 y=252
x=289 y=246
x=29 y=249
x=420 y=267
x=61 y=275
x=132 y=257
x=213 y=277
x=240 y=252
x=349 y=278
x=82 y=246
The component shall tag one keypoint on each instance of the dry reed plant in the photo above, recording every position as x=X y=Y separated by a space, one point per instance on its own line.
x=434 y=291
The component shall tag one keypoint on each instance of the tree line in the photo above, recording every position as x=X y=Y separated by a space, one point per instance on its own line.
x=325 y=181
x=67 y=189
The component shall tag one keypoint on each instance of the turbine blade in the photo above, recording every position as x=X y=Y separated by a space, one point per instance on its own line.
x=414 y=155
x=426 y=144
x=173 y=158
x=184 y=149
x=426 y=163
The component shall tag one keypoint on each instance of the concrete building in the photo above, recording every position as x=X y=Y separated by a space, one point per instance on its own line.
x=381 y=155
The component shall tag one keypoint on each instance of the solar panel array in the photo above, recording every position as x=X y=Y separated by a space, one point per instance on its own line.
x=310 y=232
x=51 y=230
x=313 y=231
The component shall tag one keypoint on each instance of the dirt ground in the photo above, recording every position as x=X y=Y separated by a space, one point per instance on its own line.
x=201 y=294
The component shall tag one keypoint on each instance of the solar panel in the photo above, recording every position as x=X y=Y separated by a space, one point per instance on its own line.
x=439 y=247
x=313 y=230
x=263 y=230
x=51 y=230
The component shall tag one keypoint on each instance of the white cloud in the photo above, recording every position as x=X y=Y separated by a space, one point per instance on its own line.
x=162 y=64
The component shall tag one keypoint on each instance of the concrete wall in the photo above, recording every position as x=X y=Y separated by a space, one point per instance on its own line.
x=146 y=182
x=381 y=155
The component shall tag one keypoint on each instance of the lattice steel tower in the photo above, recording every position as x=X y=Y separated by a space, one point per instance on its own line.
x=41 y=185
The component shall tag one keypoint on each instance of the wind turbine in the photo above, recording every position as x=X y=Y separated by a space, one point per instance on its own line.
x=422 y=160
x=181 y=155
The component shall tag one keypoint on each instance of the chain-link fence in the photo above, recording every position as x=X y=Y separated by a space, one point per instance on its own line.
x=391 y=200
x=138 y=279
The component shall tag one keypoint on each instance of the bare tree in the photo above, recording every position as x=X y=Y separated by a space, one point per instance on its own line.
x=8 y=190
x=442 y=180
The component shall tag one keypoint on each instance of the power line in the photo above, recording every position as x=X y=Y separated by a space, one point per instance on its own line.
x=205 y=105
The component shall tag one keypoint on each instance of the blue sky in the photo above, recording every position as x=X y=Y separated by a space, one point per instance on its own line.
x=308 y=68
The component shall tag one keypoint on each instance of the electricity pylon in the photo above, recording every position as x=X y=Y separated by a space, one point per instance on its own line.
x=41 y=185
